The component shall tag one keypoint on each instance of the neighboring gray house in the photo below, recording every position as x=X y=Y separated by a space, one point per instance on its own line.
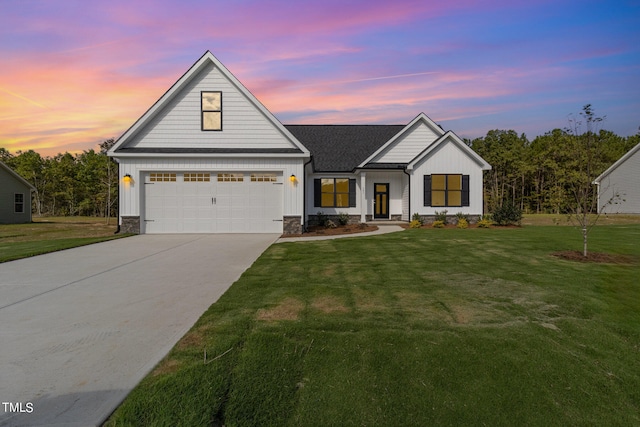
x=622 y=179
x=208 y=157
x=15 y=197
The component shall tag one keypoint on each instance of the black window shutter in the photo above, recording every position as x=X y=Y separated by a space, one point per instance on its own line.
x=352 y=193
x=465 y=190
x=317 y=192
x=427 y=190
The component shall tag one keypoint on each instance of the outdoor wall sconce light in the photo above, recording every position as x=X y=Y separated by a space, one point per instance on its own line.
x=127 y=179
x=293 y=179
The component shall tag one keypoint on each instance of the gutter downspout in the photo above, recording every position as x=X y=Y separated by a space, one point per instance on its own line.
x=118 y=208
x=404 y=169
x=304 y=195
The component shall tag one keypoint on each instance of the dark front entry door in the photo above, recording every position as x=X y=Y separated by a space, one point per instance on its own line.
x=381 y=205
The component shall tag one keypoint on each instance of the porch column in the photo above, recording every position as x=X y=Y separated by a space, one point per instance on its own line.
x=363 y=197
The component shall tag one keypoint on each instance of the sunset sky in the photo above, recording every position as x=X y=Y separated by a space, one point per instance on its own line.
x=75 y=72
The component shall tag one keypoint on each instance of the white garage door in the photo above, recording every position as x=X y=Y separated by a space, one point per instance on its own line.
x=213 y=202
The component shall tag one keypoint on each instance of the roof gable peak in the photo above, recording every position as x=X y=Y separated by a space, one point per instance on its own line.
x=206 y=60
x=420 y=119
x=450 y=136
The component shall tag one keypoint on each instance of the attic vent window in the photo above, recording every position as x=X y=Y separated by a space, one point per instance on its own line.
x=211 y=103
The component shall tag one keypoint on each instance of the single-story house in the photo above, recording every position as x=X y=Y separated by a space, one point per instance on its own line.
x=15 y=197
x=619 y=185
x=208 y=157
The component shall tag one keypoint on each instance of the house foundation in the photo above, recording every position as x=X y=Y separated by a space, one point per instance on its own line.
x=292 y=225
x=130 y=224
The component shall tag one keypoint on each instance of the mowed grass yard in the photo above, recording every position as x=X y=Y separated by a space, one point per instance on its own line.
x=49 y=234
x=416 y=328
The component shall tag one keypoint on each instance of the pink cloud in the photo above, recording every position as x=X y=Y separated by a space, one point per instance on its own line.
x=89 y=71
x=72 y=98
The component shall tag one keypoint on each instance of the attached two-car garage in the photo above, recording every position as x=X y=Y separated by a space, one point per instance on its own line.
x=213 y=202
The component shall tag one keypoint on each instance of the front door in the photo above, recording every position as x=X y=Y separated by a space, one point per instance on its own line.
x=381 y=201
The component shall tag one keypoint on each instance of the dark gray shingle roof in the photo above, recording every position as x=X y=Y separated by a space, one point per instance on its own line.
x=341 y=148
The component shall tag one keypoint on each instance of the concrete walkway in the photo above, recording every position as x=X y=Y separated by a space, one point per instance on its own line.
x=80 y=328
x=382 y=229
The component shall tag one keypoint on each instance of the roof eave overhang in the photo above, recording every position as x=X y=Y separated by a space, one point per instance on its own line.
x=210 y=155
x=17 y=176
x=615 y=165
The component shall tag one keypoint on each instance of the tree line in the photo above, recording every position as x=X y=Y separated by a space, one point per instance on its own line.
x=553 y=173
x=543 y=175
x=84 y=184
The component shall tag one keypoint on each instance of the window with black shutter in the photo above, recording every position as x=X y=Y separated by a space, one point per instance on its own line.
x=446 y=190
x=334 y=192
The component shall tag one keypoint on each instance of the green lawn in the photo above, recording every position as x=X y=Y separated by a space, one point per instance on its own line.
x=417 y=328
x=52 y=234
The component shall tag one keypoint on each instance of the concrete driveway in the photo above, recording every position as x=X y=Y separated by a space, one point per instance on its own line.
x=80 y=328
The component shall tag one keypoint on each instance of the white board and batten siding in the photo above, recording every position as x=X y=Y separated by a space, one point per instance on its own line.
x=619 y=186
x=408 y=145
x=178 y=124
x=398 y=192
x=448 y=158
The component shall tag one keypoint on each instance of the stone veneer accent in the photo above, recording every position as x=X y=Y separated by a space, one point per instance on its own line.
x=292 y=225
x=130 y=224
x=353 y=219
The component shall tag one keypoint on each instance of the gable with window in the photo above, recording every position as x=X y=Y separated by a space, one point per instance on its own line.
x=446 y=190
x=334 y=192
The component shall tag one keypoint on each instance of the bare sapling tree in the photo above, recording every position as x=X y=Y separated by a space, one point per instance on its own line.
x=586 y=147
x=110 y=178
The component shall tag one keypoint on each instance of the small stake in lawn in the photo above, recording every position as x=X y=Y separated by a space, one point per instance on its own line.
x=215 y=358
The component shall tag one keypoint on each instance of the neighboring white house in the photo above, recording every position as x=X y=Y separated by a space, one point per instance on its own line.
x=619 y=186
x=15 y=197
x=208 y=157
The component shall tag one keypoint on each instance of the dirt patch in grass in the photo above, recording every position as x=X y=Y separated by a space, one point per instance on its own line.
x=369 y=301
x=192 y=339
x=596 y=257
x=288 y=309
x=341 y=229
x=470 y=300
x=329 y=304
x=167 y=366
x=329 y=271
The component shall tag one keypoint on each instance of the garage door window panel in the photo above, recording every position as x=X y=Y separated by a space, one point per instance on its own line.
x=264 y=177
x=230 y=177
x=162 y=177
x=197 y=177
